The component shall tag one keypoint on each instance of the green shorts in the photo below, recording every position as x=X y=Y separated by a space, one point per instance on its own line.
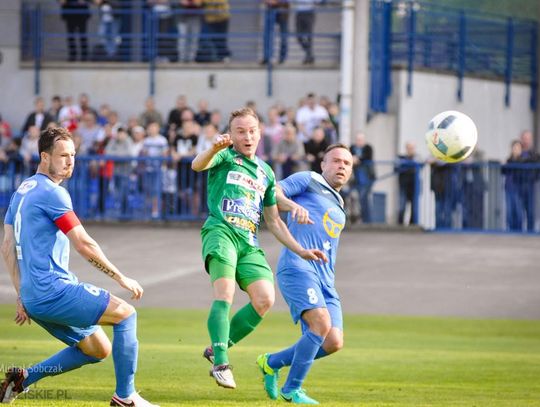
x=247 y=261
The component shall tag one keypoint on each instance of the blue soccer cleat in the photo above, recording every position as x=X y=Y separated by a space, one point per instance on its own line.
x=270 y=376
x=297 y=396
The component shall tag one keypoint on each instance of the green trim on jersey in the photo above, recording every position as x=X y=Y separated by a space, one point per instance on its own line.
x=238 y=190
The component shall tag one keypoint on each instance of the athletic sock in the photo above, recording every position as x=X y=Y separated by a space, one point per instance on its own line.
x=125 y=351
x=243 y=323
x=64 y=361
x=305 y=350
x=284 y=357
x=218 y=328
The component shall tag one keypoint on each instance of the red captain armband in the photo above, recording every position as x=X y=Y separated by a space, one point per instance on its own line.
x=67 y=221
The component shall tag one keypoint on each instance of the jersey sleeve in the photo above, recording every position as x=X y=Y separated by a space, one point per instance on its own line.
x=295 y=184
x=60 y=210
x=8 y=219
x=220 y=157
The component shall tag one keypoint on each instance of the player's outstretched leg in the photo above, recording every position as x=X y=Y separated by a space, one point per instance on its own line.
x=223 y=283
x=12 y=385
x=125 y=350
x=218 y=328
x=17 y=380
x=270 y=376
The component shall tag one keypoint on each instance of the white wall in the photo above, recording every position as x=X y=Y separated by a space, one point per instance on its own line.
x=126 y=88
x=483 y=101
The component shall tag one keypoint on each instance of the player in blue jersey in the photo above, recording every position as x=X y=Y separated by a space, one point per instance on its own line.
x=38 y=228
x=308 y=286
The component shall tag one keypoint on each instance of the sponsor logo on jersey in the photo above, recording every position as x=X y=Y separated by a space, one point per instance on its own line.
x=242 y=223
x=27 y=186
x=244 y=180
x=238 y=160
x=241 y=206
x=332 y=228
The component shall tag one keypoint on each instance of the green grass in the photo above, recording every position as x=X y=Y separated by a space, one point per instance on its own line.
x=387 y=361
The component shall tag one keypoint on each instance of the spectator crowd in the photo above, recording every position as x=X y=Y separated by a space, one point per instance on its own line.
x=151 y=152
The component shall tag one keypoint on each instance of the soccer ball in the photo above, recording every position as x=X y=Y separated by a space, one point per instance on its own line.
x=451 y=136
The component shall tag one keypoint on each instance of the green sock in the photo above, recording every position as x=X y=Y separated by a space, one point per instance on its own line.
x=243 y=322
x=218 y=328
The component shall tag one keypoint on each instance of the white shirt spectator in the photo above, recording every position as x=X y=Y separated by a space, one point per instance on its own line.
x=307 y=118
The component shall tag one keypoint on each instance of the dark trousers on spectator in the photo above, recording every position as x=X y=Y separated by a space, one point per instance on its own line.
x=281 y=18
x=213 y=42
x=305 y=20
x=77 y=25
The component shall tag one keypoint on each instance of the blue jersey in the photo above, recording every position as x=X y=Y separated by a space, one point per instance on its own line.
x=325 y=207
x=42 y=248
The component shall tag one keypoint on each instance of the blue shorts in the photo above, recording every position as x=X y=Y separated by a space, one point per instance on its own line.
x=72 y=315
x=302 y=290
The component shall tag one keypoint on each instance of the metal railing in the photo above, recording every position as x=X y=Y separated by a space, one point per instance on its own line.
x=140 y=34
x=418 y=35
x=488 y=197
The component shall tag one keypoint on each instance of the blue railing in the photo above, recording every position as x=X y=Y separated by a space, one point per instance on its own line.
x=140 y=34
x=463 y=197
x=418 y=35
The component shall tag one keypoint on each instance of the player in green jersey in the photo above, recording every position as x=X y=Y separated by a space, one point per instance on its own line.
x=241 y=189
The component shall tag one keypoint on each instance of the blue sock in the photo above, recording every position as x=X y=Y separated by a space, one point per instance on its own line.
x=305 y=350
x=125 y=350
x=61 y=362
x=284 y=357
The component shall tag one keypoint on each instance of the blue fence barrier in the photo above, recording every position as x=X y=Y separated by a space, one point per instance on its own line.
x=475 y=197
x=418 y=35
x=141 y=34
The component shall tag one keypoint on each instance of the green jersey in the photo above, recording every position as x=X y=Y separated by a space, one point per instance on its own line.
x=238 y=190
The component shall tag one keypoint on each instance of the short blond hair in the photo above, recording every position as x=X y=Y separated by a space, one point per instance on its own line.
x=243 y=112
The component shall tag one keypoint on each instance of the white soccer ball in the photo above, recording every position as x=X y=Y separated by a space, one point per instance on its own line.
x=451 y=136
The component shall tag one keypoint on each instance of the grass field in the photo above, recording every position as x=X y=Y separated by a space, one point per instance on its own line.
x=387 y=361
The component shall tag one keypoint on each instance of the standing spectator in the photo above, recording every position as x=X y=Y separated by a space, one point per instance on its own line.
x=175 y=115
x=513 y=178
x=5 y=130
x=112 y=120
x=530 y=177
x=138 y=135
x=305 y=21
x=70 y=114
x=182 y=151
x=309 y=116
x=39 y=117
x=288 y=154
x=150 y=114
x=214 y=31
x=315 y=148
x=108 y=27
x=274 y=129
x=92 y=133
x=56 y=106
x=29 y=146
x=120 y=145
x=188 y=22
x=103 y=114
x=364 y=174
x=473 y=188
x=84 y=104
x=203 y=115
x=277 y=12
x=216 y=120
x=444 y=184
x=166 y=42
x=75 y=14
x=407 y=169
x=155 y=146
